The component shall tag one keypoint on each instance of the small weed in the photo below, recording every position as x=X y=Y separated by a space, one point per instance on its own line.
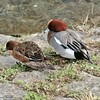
x=34 y=96
x=36 y=90
x=56 y=80
x=94 y=44
x=2 y=49
x=81 y=95
x=49 y=52
x=54 y=58
x=9 y=73
x=23 y=85
x=93 y=69
x=69 y=70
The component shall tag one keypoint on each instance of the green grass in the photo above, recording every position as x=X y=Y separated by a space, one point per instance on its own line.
x=54 y=58
x=94 y=68
x=53 y=83
x=9 y=73
x=34 y=96
x=49 y=52
x=84 y=65
x=82 y=95
x=1 y=49
x=68 y=71
x=52 y=86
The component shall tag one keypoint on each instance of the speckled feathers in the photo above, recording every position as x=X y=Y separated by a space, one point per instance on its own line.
x=26 y=51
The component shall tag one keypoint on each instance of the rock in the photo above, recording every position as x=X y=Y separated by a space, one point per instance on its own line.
x=90 y=82
x=7 y=61
x=30 y=77
x=28 y=16
x=95 y=31
x=39 y=38
x=62 y=98
x=5 y=38
x=95 y=34
x=11 y=92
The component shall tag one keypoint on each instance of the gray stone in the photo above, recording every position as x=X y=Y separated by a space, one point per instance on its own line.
x=95 y=34
x=62 y=98
x=30 y=77
x=4 y=38
x=95 y=30
x=11 y=92
x=7 y=61
x=28 y=16
x=90 y=83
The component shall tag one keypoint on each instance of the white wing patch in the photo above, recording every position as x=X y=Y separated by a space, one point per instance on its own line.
x=58 y=41
x=67 y=53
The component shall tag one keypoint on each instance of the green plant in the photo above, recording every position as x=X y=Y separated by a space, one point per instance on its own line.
x=34 y=96
x=94 y=68
x=9 y=73
x=1 y=49
x=82 y=95
x=68 y=71
x=49 y=52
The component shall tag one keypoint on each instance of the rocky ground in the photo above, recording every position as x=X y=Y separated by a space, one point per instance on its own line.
x=28 y=16
x=72 y=80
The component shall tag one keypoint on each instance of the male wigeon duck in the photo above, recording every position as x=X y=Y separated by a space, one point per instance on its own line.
x=29 y=53
x=66 y=42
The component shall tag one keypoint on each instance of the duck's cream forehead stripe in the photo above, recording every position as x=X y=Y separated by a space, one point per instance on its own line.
x=50 y=21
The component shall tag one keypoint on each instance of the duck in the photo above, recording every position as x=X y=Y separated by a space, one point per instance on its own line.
x=29 y=53
x=25 y=51
x=66 y=42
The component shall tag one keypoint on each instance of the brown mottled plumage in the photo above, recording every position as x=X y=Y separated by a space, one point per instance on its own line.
x=28 y=53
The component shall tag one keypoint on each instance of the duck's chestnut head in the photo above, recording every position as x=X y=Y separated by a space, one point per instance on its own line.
x=56 y=25
x=11 y=44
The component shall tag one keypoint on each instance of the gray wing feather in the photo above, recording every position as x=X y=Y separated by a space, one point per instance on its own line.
x=70 y=39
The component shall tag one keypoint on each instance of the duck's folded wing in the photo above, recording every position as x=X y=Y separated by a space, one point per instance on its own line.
x=19 y=56
x=28 y=52
x=68 y=41
x=72 y=43
x=36 y=57
x=74 y=34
